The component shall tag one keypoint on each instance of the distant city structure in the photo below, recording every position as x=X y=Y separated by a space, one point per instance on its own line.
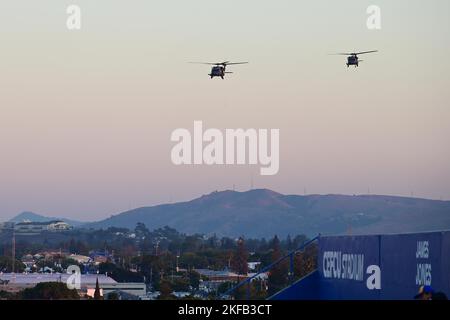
x=34 y=228
x=6 y=226
x=28 y=227
x=10 y=282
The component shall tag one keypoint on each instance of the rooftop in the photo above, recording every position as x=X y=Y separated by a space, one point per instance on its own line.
x=38 y=223
x=35 y=278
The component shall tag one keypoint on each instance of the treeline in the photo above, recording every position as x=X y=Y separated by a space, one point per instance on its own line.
x=166 y=259
x=140 y=241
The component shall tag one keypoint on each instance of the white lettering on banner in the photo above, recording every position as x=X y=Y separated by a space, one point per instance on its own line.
x=332 y=264
x=423 y=274
x=422 y=250
x=350 y=266
x=343 y=266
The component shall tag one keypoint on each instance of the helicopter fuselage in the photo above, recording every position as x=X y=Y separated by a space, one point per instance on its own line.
x=217 y=71
x=352 y=60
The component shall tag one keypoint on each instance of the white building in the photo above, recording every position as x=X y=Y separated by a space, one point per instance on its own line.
x=138 y=289
x=80 y=258
x=33 y=228
x=13 y=282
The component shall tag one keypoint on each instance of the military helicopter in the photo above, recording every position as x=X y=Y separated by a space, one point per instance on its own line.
x=218 y=69
x=352 y=59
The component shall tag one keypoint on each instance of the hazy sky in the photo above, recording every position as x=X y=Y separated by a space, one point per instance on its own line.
x=86 y=116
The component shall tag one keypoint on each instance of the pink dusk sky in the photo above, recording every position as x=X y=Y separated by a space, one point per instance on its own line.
x=86 y=116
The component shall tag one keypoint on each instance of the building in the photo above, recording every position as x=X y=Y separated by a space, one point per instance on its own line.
x=29 y=262
x=34 y=228
x=220 y=276
x=253 y=265
x=137 y=289
x=58 y=226
x=6 y=226
x=80 y=259
x=122 y=295
x=14 y=282
x=98 y=257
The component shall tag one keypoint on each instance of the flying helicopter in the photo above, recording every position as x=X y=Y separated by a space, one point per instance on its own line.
x=218 y=68
x=352 y=59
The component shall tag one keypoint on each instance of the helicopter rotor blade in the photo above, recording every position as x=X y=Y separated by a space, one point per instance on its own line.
x=231 y=63
x=353 y=53
x=366 y=52
x=209 y=63
x=225 y=63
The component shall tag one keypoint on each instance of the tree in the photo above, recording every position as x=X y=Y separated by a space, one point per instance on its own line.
x=278 y=274
x=113 y=296
x=194 y=279
x=4 y=295
x=119 y=274
x=180 y=284
x=6 y=265
x=299 y=240
x=66 y=262
x=305 y=262
x=224 y=287
x=141 y=230
x=49 y=291
x=165 y=291
x=193 y=260
x=97 y=295
x=239 y=261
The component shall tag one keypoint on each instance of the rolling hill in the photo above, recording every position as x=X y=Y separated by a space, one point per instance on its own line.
x=31 y=216
x=264 y=213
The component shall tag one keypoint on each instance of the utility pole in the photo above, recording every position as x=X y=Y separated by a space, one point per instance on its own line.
x=13 y=255
x=156 y=247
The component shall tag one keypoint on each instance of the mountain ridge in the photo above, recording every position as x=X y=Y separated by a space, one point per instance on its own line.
x=263 y=213
x=34 y=217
